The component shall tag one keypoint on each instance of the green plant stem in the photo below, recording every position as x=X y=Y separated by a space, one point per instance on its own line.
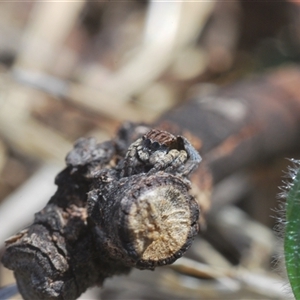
x=292 y=235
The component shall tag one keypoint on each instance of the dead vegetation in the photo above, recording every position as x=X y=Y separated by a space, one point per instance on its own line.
x=72 y=69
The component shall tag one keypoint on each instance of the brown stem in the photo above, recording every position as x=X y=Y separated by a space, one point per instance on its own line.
x=100 y=224
x=245 y=122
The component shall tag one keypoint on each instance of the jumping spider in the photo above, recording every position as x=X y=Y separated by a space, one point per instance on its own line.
x=160 y=150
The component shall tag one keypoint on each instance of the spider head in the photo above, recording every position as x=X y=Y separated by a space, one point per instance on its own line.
x=151 y=146
x=159 y=140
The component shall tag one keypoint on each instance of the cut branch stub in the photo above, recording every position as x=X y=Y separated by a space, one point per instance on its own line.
x=103 y=220
x=151 y=220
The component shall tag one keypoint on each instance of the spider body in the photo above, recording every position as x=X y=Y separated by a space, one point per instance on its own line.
x=160 y=150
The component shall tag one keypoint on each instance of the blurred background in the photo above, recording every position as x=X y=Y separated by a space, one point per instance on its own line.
x=72 y=69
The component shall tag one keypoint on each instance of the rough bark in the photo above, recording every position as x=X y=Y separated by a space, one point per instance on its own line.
x=69 y=247
x=100 y=223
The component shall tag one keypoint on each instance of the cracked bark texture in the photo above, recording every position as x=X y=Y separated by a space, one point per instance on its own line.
x=100 y=224
x=236 y=126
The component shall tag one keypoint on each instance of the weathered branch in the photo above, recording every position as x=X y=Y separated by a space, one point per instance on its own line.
x=245 y=122
x=100 y=223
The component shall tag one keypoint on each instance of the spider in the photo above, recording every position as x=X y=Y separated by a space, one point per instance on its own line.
x=160 y=150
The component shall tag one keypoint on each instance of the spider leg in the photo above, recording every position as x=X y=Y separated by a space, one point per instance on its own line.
x=178 y=160
x=131 y=160
x=159 y=160
x=194 y=158
x=143 y=155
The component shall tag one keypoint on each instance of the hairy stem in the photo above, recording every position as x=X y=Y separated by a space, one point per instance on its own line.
x=292 y=232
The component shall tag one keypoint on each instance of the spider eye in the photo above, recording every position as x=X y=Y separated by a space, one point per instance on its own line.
x=147 y=143
x=155 y=146
x=180 y=143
